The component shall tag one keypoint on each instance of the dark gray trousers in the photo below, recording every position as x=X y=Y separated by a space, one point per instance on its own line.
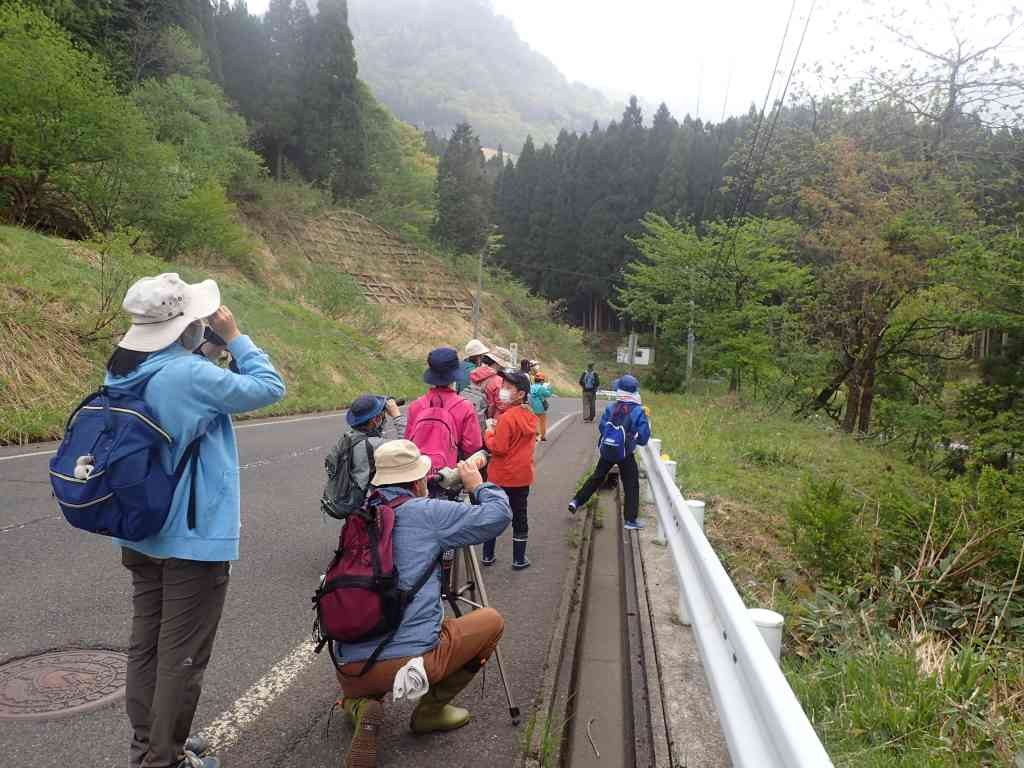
x=177 y=605
x=589 y=404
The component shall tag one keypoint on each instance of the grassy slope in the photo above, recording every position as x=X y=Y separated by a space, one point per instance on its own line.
x=884 y=705
x=51 y=299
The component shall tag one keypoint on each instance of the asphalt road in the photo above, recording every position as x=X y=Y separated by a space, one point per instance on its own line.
x=264 y=695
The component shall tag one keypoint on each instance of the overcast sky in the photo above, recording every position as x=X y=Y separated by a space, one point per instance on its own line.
x=701 y=55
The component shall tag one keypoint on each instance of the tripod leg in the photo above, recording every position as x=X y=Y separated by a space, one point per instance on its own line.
x=473 y=566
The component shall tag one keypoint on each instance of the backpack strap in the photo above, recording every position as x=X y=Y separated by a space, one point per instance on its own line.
x=191 y=459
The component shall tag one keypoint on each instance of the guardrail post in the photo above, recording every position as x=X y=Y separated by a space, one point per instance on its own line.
x=769 y=624
x=697 y=510
x=648 y=490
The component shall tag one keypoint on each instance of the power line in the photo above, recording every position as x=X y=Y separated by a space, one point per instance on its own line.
x=760 y=118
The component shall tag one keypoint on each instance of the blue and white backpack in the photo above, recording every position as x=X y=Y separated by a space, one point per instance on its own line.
x=107 y=476
x=617 y=437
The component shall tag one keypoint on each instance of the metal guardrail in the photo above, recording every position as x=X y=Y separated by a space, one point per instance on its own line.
x=763 y=723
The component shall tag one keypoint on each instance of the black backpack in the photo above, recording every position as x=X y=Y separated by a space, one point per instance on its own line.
x=342 y=495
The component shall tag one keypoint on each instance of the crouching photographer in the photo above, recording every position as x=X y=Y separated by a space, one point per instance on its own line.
x=446 y=652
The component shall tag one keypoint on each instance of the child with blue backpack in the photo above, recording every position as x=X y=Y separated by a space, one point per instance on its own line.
x=623 y=427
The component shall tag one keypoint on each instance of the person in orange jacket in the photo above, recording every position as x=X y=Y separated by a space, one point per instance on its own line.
x=511 y=444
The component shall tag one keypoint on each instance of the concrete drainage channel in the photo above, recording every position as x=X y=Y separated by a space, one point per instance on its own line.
x=601 y=701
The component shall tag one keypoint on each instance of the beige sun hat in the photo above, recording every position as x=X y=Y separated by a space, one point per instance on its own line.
x=162 y=307
x=399 y=461
x=475 y=347
x=501 y=356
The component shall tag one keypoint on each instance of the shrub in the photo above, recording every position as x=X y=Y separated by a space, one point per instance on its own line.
x=205 y=225
x=66 y=134
x=825 y=531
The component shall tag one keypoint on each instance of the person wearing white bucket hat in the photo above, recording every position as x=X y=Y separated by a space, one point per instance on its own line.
x=180 y=575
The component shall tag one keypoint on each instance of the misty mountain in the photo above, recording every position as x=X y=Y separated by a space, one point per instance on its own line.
x=436 y=63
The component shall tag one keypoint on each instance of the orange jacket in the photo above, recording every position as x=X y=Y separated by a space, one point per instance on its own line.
x=511 y=445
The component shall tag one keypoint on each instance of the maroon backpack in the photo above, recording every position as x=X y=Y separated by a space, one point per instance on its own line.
x=359 y=598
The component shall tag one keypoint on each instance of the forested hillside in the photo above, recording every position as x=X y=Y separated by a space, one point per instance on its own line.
x=437 y=63
x=183 y=136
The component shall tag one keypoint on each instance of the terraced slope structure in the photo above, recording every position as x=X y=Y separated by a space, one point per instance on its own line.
x=401 y=273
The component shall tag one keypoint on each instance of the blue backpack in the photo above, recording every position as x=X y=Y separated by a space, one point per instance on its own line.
x=616 y=436
x=107 y=476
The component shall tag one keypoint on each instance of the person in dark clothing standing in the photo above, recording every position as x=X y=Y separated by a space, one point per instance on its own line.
x=628 y=413
x=589 y=382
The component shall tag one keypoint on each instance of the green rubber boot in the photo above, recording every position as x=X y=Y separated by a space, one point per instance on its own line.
x=366 y=716
x=434 y=713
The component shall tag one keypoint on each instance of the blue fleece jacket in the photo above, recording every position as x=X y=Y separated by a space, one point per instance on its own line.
x=424 y=528
x=190 y=396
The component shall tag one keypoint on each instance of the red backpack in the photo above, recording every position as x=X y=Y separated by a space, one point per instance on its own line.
x=435 y=433
x=359 y=597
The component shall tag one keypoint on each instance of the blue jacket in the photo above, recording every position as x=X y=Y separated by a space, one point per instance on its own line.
x=638 y=428
x=539 y=392
x=191 y=396
x=424 y=528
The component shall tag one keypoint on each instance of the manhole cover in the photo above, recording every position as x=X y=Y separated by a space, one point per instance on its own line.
x=60 y=683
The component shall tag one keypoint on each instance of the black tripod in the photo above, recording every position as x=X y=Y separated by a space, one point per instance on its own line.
x=473 y=593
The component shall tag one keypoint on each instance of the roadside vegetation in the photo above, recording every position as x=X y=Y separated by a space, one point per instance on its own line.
x=902 y=590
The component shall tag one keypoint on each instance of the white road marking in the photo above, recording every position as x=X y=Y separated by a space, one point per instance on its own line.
x=237 y=427
x=226 y=729
x=26 y=455
x=559 y=423
x=289 y=421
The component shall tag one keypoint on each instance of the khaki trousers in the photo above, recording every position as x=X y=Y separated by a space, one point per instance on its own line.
x=177 y=605
x=542 y=425
x=470 y=638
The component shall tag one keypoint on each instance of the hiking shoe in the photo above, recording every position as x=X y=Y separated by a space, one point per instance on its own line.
x=193 y=761
x=198 y=745
x=487 y=560
x=520 y=565
x=368 y=715
x=572 y=507
x=634 y=525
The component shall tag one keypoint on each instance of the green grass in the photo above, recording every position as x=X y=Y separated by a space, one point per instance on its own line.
x=51 y=300
x=881 y=693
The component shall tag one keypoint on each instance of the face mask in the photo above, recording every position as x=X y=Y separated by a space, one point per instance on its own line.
x=505 y=396
x=192 y=336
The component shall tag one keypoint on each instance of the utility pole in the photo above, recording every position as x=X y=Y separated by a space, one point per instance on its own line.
x=689 y=349
x=632 y=351
x=479 y=290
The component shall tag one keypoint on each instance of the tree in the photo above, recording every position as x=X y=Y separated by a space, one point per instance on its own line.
x=878 y=228
x=737 y=285
x=62 y=122
x=331 y=133
x=463 y=194
x=280 y=107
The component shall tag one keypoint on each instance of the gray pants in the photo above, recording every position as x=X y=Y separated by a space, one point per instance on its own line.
x=177 y=605
x=589 y=403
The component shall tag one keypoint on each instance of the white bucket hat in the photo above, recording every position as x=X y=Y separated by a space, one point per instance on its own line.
x=162 y=307
x=475 y=347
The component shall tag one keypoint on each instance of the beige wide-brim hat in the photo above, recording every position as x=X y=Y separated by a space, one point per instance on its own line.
x=501 y=356
x=399 y=461
x=162 y=307
x=475 y=347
